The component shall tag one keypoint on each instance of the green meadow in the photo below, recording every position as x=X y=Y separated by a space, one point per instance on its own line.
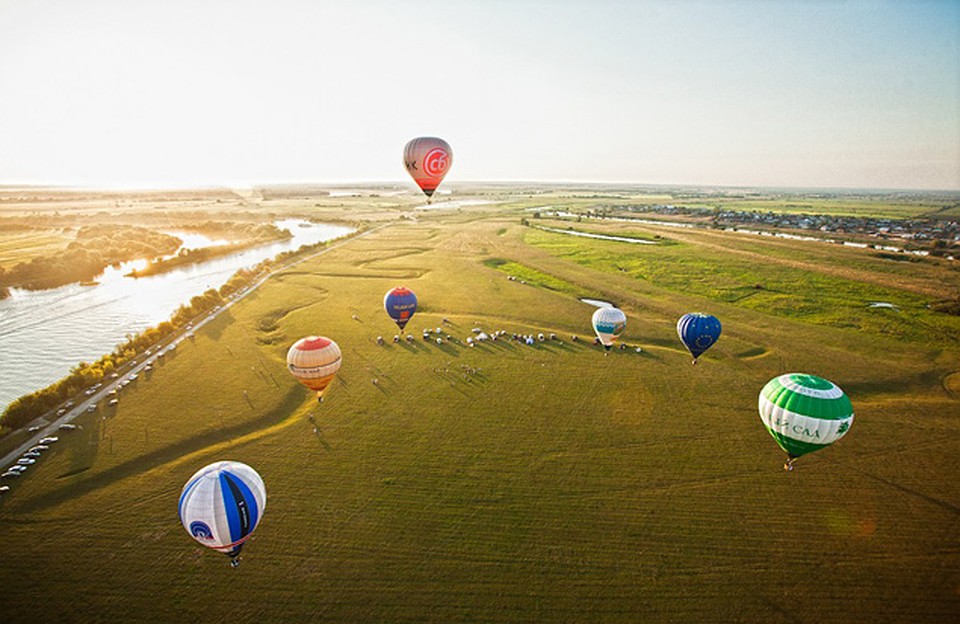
x=514 y=483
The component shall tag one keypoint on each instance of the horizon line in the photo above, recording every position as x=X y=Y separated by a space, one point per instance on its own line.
x=232 y=185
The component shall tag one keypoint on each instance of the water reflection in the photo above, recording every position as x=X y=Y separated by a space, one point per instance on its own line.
x=45 y=333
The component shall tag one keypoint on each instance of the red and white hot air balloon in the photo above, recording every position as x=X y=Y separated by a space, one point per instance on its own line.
x=427 y=160
x=314 y=361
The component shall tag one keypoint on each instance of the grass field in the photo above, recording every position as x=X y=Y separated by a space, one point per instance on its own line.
x=509 y=483
x=23 y=246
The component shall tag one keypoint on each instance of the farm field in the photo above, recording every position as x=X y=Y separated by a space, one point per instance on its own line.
x=509 y=483
x=23 y=246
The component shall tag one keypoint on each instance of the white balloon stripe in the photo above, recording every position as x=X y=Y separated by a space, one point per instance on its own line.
x=800 y=427
x=788 y=382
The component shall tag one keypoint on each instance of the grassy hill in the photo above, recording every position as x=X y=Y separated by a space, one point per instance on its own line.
x=508 y=482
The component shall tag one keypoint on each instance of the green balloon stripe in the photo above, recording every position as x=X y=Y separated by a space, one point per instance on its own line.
x=803 y=403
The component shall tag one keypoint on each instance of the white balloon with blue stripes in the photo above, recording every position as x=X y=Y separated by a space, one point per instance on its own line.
x=221 y=505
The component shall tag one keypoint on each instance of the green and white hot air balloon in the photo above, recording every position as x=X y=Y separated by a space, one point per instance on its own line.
x=804 y=413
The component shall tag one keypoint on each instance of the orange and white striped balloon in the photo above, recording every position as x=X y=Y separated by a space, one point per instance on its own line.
x=427 y=160
x=314 y=361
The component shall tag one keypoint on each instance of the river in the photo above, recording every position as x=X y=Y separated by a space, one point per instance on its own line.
x=44 y=333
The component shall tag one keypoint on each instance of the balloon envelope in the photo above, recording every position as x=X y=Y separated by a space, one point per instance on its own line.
x=427 y=160
x=221 y=505
x=804 y=413
x=608 y=323
x=401 y=304
x=698 y=332
x=314 y=361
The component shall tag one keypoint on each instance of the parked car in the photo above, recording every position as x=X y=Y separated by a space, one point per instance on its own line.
x=33 y=454
x=113 y=402
x=26 y=461
x=49 y=440
x=34 y=429
x=71 y=426
x=61 y=411
x=9 y=474
x=39 y=447
x=92 y=408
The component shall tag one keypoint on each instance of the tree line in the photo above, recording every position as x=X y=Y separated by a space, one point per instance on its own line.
x=95 y=248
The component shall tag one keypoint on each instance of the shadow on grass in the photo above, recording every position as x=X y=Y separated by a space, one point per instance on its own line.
x=291 y=401
x=215 y=328
x=412 y=346
x=319 y=433
x=752 y=353
x=921 y=382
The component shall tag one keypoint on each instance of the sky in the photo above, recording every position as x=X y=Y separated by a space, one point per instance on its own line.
x=166 y=93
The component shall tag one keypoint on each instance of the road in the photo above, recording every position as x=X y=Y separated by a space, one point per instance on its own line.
x=103 y=393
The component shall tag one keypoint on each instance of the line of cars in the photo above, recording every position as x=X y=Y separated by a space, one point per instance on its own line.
x=160 y=353
x=31 y=456
x=35 y=452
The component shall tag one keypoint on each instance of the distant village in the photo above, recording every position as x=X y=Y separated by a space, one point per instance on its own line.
x=934 y=235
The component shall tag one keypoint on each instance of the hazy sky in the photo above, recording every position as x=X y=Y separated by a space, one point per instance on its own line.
x=169 y=92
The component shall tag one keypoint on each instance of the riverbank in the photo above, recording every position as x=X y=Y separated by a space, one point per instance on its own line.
x=194 y=256
x=43 y=326
x=94 y=249
x=187 y=320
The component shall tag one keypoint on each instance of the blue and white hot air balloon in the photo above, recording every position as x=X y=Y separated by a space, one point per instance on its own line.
x=608 y=323
x=221 y=505
x=698 y=332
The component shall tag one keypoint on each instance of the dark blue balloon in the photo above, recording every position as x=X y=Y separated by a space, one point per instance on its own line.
x=698 y=332
x=400 y=303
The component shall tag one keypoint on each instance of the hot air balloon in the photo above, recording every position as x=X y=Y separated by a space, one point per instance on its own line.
x=804 y=413
x=608 y=322
x=314 y=361
x=698 y=332
x=427 y=160
x=401 y=304
x=221 y=505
